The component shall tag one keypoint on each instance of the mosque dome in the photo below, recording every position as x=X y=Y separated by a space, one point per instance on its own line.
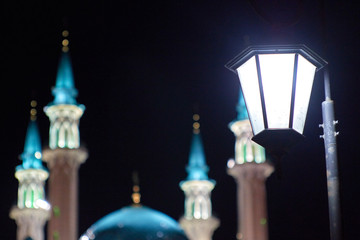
x=135 y=222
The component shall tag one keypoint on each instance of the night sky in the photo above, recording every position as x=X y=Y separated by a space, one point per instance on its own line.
x=141 y=68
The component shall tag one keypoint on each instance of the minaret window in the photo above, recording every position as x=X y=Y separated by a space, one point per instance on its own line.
x=30 y=196
x=201 y=211
x=64 y=133
x=248 y=151
x=259 y=153
x=75 y=134
x=30 y=191
x=21 y=196
x=24 y=199
x=197 y=212
x=54 y=133
x=189 y=206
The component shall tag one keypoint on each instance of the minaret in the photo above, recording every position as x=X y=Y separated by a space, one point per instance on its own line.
x=250 y=171
x=198 y=222
x=64 y=154
x=32 y=210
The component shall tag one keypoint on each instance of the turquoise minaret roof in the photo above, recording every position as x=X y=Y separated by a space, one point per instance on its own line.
x=197 y=168
x=31 y=156
x=241 y=108
x=64 y=91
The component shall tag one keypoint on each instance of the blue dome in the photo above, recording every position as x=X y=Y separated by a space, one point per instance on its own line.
x=135 y=223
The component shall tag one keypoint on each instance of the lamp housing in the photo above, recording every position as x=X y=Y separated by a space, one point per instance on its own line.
x=276 y=81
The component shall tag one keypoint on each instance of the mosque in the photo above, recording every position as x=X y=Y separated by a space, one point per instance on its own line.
x=64 y=155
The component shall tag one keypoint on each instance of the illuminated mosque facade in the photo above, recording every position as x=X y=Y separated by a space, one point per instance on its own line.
x=64 y=155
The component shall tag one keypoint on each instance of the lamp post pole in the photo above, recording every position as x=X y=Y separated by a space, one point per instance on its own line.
x=331 y=160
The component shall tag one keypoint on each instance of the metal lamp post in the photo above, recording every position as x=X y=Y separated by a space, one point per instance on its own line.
x=276 y=82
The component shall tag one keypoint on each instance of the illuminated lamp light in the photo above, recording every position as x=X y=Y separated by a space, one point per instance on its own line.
x=276 y=82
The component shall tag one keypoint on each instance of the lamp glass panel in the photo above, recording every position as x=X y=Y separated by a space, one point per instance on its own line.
x=304 y=83
x=277 y=78
x=250 y=85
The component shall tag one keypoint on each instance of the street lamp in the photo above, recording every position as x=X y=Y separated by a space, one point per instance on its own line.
x=276 y=82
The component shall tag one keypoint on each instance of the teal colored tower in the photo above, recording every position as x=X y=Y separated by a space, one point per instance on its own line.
x=64 y=111
x=242 y=113
x=198 y=222
x=32 y=210
x=31 y=157
x=64 y=91
x=250 y=170
x=64 y=155
x=197 y=168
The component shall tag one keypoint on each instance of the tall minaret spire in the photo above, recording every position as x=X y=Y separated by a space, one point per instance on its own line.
x=64 y=155
x=32 y=210
x=198 y=222
x=250 y=170
x=64 y=112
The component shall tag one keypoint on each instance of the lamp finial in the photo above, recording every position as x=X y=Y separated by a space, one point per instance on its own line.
x=136 y=189
x=65 y=42
x=196 y=124
x=33 y=111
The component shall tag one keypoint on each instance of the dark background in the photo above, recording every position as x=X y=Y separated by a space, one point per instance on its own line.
x=141 y=67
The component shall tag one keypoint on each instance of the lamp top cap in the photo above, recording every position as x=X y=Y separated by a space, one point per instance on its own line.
x=251 y=51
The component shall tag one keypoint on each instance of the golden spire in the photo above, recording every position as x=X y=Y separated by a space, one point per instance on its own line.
x=65 y=42
x=33 y=111
x=196 y=124
x=136 y=189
